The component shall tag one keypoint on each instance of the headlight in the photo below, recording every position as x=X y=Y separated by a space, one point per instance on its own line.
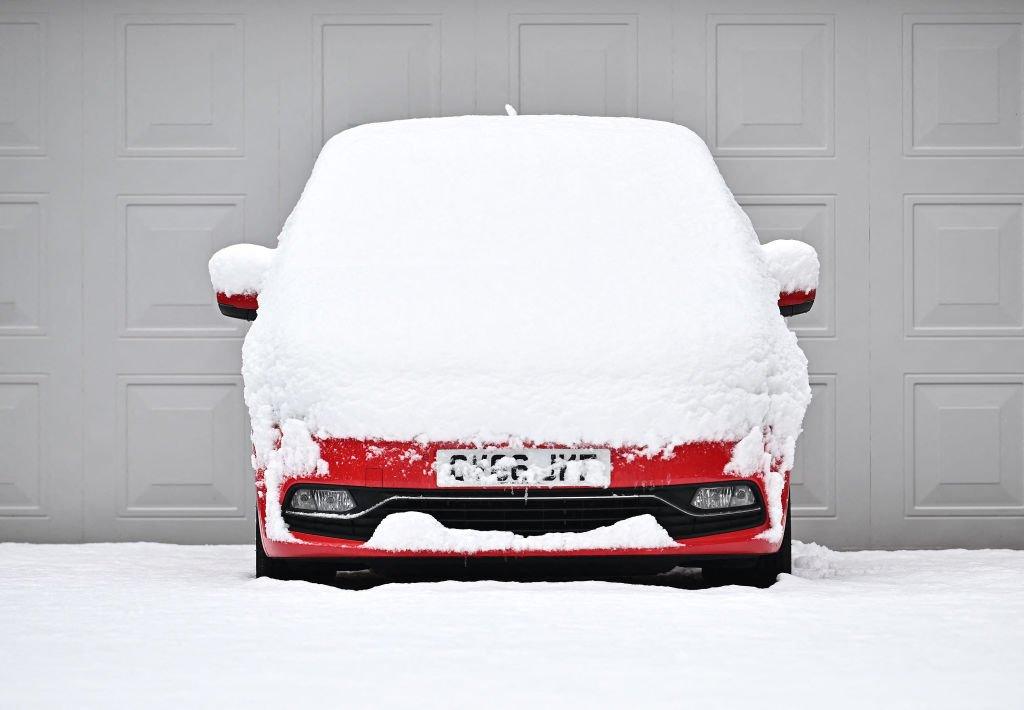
x=322 y=500
x=736 y=495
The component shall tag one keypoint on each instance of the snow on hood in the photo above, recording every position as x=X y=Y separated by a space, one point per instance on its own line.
x=551 y=279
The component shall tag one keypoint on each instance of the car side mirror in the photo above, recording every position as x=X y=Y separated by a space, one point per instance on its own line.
x=237 y=274
x=794 y=265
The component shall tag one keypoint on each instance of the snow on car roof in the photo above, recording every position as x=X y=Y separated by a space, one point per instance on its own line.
x=540 y=278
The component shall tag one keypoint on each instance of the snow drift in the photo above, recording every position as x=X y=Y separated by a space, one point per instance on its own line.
x=166 y=627
x=413 y=531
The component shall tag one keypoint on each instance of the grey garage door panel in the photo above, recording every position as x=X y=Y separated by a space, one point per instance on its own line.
x=40 y=273
x=144 y=136
x=946 y=269
x=355 y=62
x=183 y=145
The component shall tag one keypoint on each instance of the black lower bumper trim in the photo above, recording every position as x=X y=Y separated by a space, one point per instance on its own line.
x=236 y=312
x=556 y=568
x=796 y=309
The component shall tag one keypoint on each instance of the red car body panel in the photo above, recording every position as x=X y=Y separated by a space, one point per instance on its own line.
x=793 y=298
x=409 y=465
x=245 y=301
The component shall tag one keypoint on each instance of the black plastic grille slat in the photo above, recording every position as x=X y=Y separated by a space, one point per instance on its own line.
x=534 y=513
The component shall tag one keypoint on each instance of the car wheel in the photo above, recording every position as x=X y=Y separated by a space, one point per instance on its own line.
x=762 y=573
x=289 y=569
x=268 y=566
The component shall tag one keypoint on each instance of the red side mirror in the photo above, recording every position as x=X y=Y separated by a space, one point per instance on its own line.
x=794 y=303
x=241 y=305
x=794 y=266
x=237 y=274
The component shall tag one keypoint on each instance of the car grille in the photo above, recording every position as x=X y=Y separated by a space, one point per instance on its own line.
x=533 y=513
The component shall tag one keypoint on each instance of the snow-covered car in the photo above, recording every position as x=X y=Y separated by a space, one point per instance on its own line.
x=493 y=338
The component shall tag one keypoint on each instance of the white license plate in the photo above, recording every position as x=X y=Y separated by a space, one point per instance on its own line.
x=523 y=467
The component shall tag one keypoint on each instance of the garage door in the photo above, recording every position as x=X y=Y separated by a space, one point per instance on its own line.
x=137 y=138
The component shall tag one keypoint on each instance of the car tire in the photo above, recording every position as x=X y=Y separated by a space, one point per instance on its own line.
x=289 y=569
x=764 y=572
x=268 y=566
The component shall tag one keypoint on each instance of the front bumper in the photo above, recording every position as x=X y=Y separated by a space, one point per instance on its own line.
x=393 y=477
x=740 y=543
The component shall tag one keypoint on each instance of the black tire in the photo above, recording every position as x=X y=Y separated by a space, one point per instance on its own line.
x=267 y=566
x=762 y=573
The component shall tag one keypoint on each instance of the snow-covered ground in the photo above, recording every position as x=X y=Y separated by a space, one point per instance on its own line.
x=145 y=625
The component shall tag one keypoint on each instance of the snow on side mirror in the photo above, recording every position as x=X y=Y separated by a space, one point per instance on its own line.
x=795 y=266
x=237 y=274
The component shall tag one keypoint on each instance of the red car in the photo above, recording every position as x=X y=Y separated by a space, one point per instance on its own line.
x=557 y=337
